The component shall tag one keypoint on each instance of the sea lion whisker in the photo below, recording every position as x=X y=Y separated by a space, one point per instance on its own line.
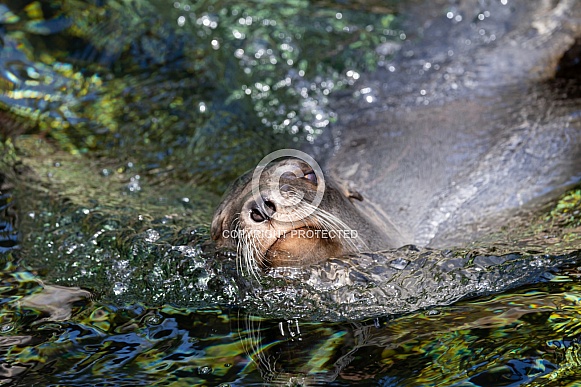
x=333 y=223
x=315 y=216
x=340 y=230
x=256 y=242
x=325 y=220
x=239 y=248
x=252 y=260
x=247 y=252
x=241 y=256
x=302 y=217
x=248 y=255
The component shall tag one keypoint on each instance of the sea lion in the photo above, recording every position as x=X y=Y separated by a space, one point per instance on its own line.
x=272 y=229
x=449 y=143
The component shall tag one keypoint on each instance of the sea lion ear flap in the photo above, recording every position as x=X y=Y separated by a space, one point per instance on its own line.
x=354 y=195
x=349 y=191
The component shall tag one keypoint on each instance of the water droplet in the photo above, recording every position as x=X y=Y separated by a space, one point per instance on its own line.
x=5 y=328
x=204 y=370
x=151 y=235
x=152 y=319
x=399 y=263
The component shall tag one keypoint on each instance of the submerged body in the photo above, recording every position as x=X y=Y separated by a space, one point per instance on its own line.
x=463 y=138
x=489 y=133
x=449 y=173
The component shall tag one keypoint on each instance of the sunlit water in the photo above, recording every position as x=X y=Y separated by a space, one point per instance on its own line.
x=113 y=281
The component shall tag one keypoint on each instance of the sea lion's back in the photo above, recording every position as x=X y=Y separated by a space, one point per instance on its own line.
x=449 y=153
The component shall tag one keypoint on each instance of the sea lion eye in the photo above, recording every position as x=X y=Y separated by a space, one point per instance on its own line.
x=257 y=216
x=311 y=177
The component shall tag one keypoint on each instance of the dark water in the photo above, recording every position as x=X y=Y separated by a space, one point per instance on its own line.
x=131 y=117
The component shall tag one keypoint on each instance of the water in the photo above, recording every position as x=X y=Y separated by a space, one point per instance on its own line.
x=113 y=280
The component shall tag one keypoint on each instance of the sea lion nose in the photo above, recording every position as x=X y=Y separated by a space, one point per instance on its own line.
x=261 y=213
x=269 y=207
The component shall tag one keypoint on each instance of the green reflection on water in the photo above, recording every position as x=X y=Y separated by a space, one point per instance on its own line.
x=530 y=335
x=195 y=90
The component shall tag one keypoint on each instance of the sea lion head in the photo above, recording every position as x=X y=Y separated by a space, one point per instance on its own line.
x=287 y=219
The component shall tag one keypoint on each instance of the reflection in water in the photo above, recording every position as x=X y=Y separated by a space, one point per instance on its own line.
x=55 y=302
x=8 y=218
x=525 y=336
